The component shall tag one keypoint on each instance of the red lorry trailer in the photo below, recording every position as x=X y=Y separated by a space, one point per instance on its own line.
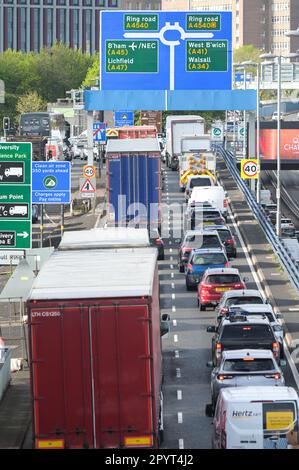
x=95 y=350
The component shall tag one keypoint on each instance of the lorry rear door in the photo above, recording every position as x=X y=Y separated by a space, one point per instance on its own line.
x=122 y=383
x=61 y=377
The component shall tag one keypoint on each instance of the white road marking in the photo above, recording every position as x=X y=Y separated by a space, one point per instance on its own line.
x=173 y=308
x=170 y=250
x=181 y=443
x=172 y=285
x=173 y=296
x=172 y=275
x=275 y=274
x=171 y=258
x=171 y=266
x=293 y=309
x=175 y=338
x=180 y=417
x=178 y=373
x=179 y=394
x=176 y=354
x=174 y=323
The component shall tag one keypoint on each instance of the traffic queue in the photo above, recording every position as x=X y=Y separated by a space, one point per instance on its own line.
x=250 y=404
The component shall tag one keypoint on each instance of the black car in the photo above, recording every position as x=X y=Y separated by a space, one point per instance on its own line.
x=227 y=239
x=198 y=216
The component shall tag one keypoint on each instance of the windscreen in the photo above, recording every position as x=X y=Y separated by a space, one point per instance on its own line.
x=195 y=182
x=224 y=235
x=243 y=300
x=248 y=332
x=248 y=365
x=223 y=279
x=209 y=259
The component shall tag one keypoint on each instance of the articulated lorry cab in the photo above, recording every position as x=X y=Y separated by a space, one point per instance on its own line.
x=95 y=350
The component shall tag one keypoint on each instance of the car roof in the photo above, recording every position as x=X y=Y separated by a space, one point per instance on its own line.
x=218 y=227
x=255 y=308
x=222 y=271
x=242 y=293
x=200 y=232
x=259 y=393
x=243 y=353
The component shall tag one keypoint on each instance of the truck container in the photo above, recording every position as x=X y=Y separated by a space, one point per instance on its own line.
x=95 y=350
x=178 y=127
x=136 y=132
x=134 y=182
x=105 y=238
x=38 y=144
x=195 y=143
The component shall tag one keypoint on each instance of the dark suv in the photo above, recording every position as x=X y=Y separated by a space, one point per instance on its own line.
x=227 y=239
x=239 y=332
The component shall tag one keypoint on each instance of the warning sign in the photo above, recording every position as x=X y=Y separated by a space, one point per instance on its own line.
x=249 y=168
x=111 y=132
x=278 y=420
x=87 y=188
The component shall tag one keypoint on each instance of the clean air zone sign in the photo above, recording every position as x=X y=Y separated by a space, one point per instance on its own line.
x=217 y=132
x=166 y=50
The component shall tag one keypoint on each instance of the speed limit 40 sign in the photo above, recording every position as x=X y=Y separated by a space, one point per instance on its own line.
x=89 y=171
x=249 y=168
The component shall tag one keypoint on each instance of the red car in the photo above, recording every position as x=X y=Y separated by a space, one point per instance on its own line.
x=215 y=281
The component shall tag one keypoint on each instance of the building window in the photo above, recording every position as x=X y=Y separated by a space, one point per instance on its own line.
x=62 y=25
x=76 y=29
x=113 y=3
x=22 y=26
x=36 y=29
x=88 y=30
x=10 y=28
x=50 y=27
x=100 y=3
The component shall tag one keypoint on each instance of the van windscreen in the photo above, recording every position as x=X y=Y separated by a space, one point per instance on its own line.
x=195 y=182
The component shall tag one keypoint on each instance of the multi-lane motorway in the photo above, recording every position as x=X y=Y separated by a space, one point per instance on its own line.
x=186 y=349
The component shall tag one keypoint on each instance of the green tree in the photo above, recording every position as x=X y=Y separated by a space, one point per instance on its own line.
x=30 y=102
x=245 y=53
x=92 y=73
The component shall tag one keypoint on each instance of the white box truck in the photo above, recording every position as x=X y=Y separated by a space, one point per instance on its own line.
x=178 y=127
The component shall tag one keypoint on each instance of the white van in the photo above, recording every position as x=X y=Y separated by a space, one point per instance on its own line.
x=215 y=195
x=255 y=417
x=197 y=181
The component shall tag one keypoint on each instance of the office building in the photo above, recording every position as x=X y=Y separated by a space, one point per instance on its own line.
x=141 y=5
x=29 y=25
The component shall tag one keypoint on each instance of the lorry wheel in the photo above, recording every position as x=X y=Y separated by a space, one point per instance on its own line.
x=202 y=308
x=188 y=287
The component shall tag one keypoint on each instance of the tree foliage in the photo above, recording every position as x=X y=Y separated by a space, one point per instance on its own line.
x=49 y=73
x=31 y=101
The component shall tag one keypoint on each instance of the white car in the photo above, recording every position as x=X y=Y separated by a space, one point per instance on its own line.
x=287 y=227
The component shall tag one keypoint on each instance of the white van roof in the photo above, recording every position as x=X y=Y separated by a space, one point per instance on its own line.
x=258 y=393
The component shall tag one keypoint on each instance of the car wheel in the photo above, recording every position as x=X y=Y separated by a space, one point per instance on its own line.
x=188 y=287
x=181 y=268
x=201 y=307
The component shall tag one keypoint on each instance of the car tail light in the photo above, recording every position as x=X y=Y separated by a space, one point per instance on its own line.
x=275 y=349
x=227 y=265
x=273 y=376
x=186 y=250
x=224 y=377
x=158 y=241
x=239 y=286
x=189 y=268
x=224 y=311
x=225 y=203
x=230 y=241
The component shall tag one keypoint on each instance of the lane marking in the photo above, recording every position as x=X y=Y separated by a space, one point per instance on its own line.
x=171 y=258
x=180 y=417
x=173 y=308
x=179 y=394
x=172 y=275
x=181 y=443
x=178 y=373
x=171 y=266
x=176 y=354
x=173 y=296
x=175 y=338
x=172 y=285
x=170 y=250
x=174 y=323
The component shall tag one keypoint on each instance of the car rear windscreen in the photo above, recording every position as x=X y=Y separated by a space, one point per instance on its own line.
x=243 y=300
x=203 y=241
x=209 y=259
x=223 y=279
x=250 y=332
x=248 y=365
x=195 y=182
x=224 y=235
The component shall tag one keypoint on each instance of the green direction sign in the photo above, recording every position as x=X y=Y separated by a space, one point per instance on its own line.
x=200 y=22
x=207 y=56
x=131 y=56
x=15 y=195
x=140 y=22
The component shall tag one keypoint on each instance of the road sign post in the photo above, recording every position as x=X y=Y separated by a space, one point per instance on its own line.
x=15 y=195
x=166 y=51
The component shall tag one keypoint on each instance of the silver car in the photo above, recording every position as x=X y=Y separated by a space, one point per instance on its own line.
x=243 y=368
x=239 y=297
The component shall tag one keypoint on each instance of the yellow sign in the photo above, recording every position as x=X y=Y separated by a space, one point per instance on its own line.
x=249 y=168
x=111 y=132
x=50 y=444
x=279 y=420
x=138 y=441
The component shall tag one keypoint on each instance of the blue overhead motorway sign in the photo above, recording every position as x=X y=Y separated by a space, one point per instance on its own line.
x=51 y=182
x=166 y=50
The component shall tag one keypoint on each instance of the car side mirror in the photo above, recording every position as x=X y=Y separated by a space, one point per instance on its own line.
x=209 y=411
x=279 y=316
x=219 y=318
x=211 y=329
x=245 y=279
x=164 y=324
